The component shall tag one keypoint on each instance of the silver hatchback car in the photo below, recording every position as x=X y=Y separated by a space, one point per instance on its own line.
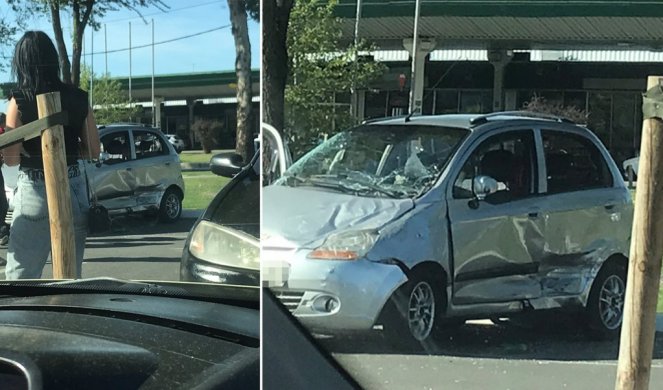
x=140 y=171
x=420 y=222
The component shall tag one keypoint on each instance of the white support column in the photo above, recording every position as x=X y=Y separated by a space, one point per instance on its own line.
x=157 y=111
x=361 y=105
x=424 y=46
x=499 y=59
x=191 y=104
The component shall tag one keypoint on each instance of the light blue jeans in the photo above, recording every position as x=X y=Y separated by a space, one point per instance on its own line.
x=30 y=238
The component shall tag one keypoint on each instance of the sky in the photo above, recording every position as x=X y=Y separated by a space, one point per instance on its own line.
x=207 y=52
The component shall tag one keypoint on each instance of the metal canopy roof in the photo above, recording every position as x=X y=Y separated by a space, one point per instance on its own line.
x=179 y=86
x=187 y=86
x=510 y=24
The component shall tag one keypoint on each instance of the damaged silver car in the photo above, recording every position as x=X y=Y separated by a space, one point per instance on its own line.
x=414 y=223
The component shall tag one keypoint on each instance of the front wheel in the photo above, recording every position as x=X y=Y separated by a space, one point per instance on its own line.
x=605 y=306
x=415 y=312
x=171 y=206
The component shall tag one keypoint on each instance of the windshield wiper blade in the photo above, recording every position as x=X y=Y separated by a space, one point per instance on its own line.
x=106 y=284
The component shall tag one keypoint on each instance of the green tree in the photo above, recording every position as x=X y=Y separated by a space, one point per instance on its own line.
x=320 y=68
x=84 y=13
x=9 y=27
x=110 y=103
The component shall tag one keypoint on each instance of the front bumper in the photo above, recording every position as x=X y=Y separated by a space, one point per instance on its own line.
x=193 y=269
x=333 y=296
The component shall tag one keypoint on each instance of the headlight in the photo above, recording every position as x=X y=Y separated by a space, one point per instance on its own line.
x=346 y=246
x=224 y=246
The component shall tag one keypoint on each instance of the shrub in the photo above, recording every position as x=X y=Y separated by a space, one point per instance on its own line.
x=541 y=105
x=206 y=130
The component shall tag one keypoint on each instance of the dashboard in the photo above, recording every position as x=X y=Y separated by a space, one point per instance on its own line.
x=126 y=341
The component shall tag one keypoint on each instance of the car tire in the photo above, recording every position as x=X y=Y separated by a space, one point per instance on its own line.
x=170 y=209
x=414 y=313
x=605 y=306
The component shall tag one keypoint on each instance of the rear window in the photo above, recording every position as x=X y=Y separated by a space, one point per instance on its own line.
x=573 y=163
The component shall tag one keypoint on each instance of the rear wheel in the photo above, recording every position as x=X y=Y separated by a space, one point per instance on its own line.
x=605 y=306
x=171 y=206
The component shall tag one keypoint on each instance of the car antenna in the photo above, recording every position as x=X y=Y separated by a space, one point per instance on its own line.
x=407 y=118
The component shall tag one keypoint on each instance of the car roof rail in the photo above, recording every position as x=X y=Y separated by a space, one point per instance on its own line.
x=380 y=119
x=128 y=124
x=525 y=114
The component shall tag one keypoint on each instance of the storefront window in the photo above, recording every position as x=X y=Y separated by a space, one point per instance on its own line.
x=446 y=102
x=376 y=104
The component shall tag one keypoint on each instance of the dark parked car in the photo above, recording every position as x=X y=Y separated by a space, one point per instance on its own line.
x=224 y=244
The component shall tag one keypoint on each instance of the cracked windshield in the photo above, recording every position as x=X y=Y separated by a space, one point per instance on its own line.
x=448 y=192
x=160 y=142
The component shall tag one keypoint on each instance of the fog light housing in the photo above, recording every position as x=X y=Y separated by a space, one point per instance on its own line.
x=326 y=304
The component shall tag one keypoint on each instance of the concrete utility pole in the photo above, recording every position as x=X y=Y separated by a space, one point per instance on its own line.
x=154 y=111
x=105 y=49
x=639 y=325
x=130 y=98
x=353 y=96
x=415 y=106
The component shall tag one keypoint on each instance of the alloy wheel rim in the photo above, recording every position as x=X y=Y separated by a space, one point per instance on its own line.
x=611 y=302
x=172 y=206
x=421 y=311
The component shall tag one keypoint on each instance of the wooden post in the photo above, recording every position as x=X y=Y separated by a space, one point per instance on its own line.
x=60 y=216
x=639 y=326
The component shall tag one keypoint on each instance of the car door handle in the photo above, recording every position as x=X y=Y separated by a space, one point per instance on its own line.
x=533 y=215
x=167 y=164
x=609 y=206
x=128 y=169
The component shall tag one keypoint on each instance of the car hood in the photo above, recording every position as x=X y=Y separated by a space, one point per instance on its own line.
x=299 y=217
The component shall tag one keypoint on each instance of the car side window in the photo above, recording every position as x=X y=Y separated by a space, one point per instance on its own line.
x=149 y=144
x=573 y=163
x=510 y=159
x=117 y=147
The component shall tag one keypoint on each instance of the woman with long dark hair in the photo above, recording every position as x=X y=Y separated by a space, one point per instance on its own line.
x=36 y=69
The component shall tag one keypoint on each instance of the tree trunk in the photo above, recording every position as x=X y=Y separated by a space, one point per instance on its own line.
x=79 y=23
x=276 y=14
x=65 y=65
x=240 y=30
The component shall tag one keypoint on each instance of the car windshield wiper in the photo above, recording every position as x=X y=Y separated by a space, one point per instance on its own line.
x=372 y=187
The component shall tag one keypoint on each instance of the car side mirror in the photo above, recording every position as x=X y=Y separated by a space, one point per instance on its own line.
x=103 y=157
x=484 y=186
x=226 y=164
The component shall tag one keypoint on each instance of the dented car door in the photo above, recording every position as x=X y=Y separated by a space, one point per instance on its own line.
x=497 y=241
x=585 y=212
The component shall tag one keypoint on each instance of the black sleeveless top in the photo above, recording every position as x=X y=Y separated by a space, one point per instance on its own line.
x=75 y=102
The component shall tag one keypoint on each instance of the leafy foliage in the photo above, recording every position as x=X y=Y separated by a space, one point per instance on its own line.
x=85 y=13
x=111 y=103
x=541 y=105
x=253 y=9
x=9 y=27
x=321 y=67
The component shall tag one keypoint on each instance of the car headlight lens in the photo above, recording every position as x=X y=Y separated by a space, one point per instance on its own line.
x=224 y=246
x=345 y=246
